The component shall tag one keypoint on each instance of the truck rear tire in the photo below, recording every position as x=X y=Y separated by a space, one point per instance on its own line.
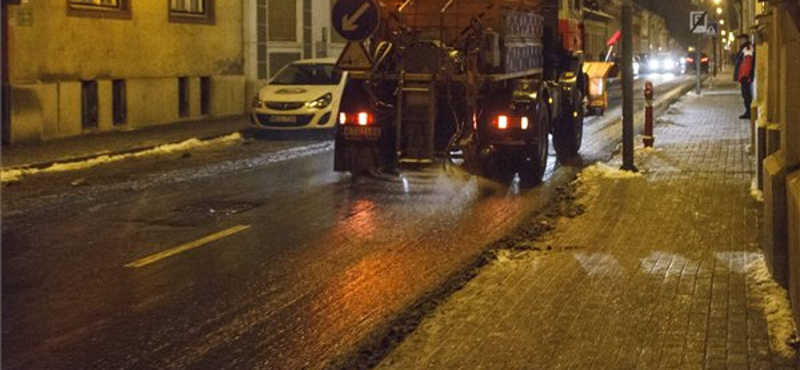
x=531 y=169
x=568 y=130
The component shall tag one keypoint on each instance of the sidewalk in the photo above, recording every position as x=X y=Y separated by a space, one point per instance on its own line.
x=660 y=270
x=115 y=142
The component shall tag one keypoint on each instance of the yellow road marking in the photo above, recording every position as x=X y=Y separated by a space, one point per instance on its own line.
x=185 y=247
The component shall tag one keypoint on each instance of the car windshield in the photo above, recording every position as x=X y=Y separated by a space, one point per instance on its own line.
x=308 y=74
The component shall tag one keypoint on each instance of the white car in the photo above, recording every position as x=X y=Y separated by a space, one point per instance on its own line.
x=304 y=95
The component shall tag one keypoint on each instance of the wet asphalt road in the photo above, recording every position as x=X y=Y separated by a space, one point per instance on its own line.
x=311 y=264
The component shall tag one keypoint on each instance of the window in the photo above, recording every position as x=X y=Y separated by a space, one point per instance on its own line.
x=191 y=11
x=282 y=20
x=183 y=97
x=307 y=44
x=89 y=104
x=308 y=74
x=205 y=95
x=261 y=37
x=279 y=60
x=99 y=8
x=119 y=102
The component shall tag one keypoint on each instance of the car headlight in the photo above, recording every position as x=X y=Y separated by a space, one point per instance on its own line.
x=321 y=102
x=653 y=64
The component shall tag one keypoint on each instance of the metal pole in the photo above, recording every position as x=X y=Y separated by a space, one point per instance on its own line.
x=716 y=60
x=627 y=88
x=698 y=88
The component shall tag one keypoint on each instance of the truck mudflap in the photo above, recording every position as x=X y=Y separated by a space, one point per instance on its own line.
x=361 y=133
x=356 y=158
x=357 y=148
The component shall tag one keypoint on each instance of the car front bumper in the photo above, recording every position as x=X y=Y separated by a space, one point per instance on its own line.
x=269 y=119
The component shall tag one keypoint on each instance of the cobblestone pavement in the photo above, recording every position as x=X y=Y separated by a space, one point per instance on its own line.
x=661 y=271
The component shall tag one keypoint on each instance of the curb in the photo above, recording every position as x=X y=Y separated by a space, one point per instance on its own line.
x=136 y=149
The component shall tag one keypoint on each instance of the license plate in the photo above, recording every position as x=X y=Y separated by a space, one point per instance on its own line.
x=362 y=132
x=283 y=119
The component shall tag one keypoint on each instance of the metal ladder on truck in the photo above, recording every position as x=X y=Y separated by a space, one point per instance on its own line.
x=416 y=117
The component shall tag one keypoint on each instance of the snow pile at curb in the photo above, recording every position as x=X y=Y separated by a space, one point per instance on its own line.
x=755 y=193
x=603 y=171
x=12 y=175
x=777 y=308
x=646 y=150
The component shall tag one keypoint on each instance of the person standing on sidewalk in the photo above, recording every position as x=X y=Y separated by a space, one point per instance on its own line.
x=743 y=72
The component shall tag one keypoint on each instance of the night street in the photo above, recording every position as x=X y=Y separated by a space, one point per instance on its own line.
x=324 y=261
x=400 y=184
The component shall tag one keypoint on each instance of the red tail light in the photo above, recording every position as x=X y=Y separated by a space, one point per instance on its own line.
x=690 y=60
x=364 y=118
x=704 y=60
x=504 y=122
x=360 y=118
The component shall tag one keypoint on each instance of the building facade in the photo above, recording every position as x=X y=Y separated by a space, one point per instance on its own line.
x=82 y=66
x=775 y=27
x=278 y=32
x=649 y=29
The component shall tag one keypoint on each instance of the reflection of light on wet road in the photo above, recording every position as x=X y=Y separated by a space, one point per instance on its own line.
x=357 y=293
x=361 y=220
x=405 y=184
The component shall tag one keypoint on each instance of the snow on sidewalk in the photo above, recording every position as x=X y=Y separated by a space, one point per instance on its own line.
x=664 y=269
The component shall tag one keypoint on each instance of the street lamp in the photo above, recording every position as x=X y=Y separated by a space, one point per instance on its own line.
x=719 y=10
x=721 y=22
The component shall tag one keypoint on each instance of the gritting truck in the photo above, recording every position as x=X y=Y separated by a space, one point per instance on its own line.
x=482 y=82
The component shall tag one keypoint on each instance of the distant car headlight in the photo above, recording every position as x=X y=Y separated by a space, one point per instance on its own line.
x=669 y=64
x=321 y=102
x=653 y=64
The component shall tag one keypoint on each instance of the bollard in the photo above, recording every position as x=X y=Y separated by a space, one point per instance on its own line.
x=648 y=138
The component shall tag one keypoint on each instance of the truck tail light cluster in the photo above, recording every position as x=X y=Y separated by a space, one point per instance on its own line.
x=504 y=122
x=359 y=118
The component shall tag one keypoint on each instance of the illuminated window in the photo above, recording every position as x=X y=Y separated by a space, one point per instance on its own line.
x=191 y=11
x=99 y=8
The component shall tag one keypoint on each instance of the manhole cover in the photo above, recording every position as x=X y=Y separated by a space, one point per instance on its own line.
x=218 y=208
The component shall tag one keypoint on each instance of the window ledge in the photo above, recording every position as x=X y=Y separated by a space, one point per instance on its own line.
x=88 y=11
x=190 y=18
